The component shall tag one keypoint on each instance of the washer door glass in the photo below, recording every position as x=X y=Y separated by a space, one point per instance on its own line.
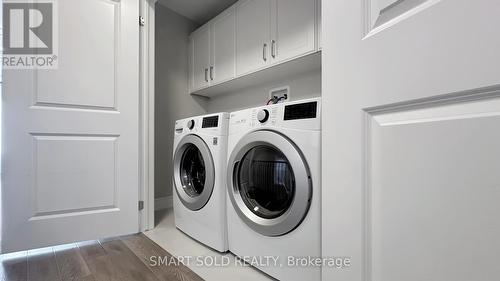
x=192 y=171
x=266 y=182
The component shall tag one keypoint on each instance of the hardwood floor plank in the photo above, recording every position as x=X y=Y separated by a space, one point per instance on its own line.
x=70 y=262
x=42 y=265
x=86 y=278
x=144 y=248
x=91 y=249
x=129 y=266
x=98 y=262
x=117 y=259
x=14 y=267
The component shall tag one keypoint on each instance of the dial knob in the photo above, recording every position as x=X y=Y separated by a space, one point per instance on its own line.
x=263 y=115
x=190 y=124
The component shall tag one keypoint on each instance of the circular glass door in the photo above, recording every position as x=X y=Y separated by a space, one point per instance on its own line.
x=266 y=182
x=193 y=172
x=269 y=183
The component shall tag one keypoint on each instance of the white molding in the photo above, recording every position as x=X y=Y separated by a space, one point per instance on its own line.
x=147 y=79
x=163 y=203
x=379 y=18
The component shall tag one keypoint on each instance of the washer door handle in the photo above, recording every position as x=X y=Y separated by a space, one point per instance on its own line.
x=235 y=176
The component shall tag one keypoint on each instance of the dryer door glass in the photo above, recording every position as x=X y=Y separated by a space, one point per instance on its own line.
x=192 y=171
x=266 y=182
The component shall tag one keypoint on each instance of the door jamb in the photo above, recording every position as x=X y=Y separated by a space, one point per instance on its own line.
x=147 y=113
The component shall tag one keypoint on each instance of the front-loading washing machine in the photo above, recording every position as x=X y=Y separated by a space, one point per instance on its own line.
x=200 y=147
x=274 y=189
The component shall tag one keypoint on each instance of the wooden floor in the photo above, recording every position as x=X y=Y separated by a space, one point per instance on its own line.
x=120 y=259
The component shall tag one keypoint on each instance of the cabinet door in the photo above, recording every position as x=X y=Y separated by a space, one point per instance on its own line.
x=294 y=32
x=200 y=59
x=223 y=47
x=252 y=35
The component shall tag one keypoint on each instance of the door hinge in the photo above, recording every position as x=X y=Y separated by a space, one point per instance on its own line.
x=142 y=21
x=141 y=205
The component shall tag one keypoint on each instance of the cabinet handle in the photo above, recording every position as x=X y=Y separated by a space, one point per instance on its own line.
x=206 y=74
x=211 y=73
x=264 y=52
x=273 y=49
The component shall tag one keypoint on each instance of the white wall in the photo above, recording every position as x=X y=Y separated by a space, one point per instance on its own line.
x=302 y=86
x=172 y=101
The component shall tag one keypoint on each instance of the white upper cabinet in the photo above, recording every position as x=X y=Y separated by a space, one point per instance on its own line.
x=212 y=53
x=200 y=58
x=223 y=56
x=253 y=21
x=250 y=36
x=293 y=28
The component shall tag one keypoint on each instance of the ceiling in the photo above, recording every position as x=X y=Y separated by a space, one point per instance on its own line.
x=199 y=11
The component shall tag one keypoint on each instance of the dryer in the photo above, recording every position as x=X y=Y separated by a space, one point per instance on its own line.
x=199 y=181
x=274 y=189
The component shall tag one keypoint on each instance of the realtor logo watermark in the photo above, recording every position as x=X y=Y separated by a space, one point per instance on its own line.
x=30 y=34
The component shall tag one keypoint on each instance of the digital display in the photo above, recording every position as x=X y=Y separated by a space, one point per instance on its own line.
x=301 y=111
x=210 y=122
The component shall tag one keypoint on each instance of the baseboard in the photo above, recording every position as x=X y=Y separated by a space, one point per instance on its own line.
x=163 y=203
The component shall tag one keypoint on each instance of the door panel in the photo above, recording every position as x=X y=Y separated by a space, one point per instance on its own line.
x=293 y=28
x=252 y=32
x=382 y=4
x=380 y=14
x=409 y=138
x=200 y=58
x=91 y=86
x=70 y=163
x=64 y=180
x=223 y=46
x=433 y=193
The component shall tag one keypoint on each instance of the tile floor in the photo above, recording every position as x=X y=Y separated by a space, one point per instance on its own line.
x=179 y=244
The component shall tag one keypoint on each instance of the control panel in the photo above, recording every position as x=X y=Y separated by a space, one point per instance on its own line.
x=264 y=116
x=210 y=122
x=214 y=124
x=299 y=115
x=301 y=111
x=190 y=124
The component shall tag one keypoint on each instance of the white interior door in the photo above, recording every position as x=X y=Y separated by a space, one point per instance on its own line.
x=70 y=147
x=252 y=35
x=411 y=139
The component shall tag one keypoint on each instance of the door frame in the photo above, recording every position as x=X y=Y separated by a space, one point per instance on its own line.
x=147 y=114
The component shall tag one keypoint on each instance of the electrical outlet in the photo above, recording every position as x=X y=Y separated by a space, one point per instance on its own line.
x=280 y=94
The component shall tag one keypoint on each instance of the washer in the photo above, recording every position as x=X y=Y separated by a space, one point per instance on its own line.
x=274 y=187
x=199 y=178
